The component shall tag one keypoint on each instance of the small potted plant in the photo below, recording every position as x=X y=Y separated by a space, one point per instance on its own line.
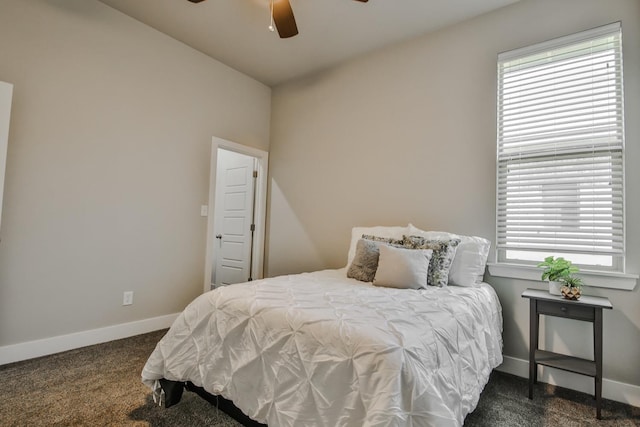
x=555 y=269
x=572 y=286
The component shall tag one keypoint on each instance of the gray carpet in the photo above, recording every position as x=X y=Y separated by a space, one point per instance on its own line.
x=100 y=386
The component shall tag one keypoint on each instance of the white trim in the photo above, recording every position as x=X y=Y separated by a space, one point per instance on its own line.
x=613 y=390
x=261 y=206
x=43 y=347
x=6 y=95
x=561 y=41
x=596 y=279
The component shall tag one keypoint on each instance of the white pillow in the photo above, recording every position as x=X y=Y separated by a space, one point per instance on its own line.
x=395 y=232
x=469 y=263
x=402 y=268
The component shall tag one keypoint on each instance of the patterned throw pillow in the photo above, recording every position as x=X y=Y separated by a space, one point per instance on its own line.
x=389 y=240
x=365 y=262
x=443 y=253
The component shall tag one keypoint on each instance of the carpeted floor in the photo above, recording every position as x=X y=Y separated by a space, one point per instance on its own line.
x=100 y=386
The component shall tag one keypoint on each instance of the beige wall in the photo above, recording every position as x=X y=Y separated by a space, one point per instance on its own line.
x=407 y=134
x=108 y=164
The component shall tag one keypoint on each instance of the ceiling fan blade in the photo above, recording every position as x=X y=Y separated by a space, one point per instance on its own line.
x=284 y=19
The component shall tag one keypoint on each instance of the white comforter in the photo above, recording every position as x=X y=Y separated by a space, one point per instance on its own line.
x=319 y=349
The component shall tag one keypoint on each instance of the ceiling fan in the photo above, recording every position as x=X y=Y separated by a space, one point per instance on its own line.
x=282 y=16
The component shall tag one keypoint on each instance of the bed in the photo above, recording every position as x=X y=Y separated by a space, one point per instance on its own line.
x=324 y=349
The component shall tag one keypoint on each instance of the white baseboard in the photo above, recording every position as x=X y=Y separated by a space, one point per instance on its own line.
x=613 y=390
x=29 y=350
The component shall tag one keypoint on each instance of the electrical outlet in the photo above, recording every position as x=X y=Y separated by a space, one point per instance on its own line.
x=127 y=298
x=204 y=210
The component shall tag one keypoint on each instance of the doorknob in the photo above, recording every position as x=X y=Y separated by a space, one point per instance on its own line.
x=218 y=236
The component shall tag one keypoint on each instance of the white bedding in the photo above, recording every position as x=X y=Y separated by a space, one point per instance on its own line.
x=319 y=349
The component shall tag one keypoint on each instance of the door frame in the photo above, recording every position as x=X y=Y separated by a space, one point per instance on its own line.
x=6 y=95
x=260 y=208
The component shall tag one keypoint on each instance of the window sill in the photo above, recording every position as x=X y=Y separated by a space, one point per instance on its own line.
x=598 y=279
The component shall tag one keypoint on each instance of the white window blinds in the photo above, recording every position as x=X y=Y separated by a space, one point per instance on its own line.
x=560 y=147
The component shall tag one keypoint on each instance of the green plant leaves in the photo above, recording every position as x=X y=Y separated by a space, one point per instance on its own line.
x=556 y=269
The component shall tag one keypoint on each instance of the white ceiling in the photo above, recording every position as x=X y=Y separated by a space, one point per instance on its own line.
x=236 y=33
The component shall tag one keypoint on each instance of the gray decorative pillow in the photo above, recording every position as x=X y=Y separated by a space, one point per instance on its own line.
x=443 y=253
x=365 y=262
x=402 y=268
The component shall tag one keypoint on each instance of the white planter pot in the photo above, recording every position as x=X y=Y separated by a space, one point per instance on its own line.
x=554 y=287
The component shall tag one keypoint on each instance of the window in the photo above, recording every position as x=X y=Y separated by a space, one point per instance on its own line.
x=561 y=151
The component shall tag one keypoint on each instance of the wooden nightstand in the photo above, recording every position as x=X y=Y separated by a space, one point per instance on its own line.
x=588 y=309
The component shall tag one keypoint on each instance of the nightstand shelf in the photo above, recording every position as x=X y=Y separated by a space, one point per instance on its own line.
x=566 y=363
x=587 y=309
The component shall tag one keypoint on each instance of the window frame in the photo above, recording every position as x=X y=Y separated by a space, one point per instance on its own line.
x=504 y=266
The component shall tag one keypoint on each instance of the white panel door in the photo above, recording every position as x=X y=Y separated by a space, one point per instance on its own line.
x=6 y=92
x=233 y=217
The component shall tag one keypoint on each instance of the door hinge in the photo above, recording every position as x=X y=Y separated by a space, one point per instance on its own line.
x=253 y=227
x=255 y=174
